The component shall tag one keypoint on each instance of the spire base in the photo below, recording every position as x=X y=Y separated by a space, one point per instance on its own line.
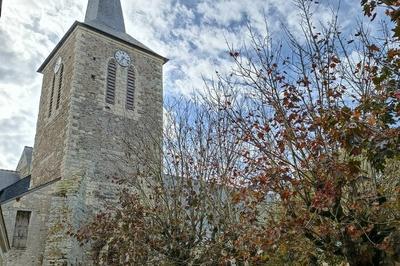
x=106 y=13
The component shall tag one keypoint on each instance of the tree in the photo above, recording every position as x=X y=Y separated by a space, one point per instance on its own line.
x=293 y=158
x=180 y=213
x=321 y=116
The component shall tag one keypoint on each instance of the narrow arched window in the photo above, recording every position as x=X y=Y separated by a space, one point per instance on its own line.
x=111 y=77
x=130 y=91
x=60 y=83
x=52 y=95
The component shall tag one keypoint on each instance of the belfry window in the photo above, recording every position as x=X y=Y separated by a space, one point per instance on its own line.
x=111 y=79
x=130 y=92
x=21 y=229
x=60 y=83
x=52 y=94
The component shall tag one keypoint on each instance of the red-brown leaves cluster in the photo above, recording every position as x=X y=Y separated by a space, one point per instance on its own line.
x=329 y=139
x=392 y=10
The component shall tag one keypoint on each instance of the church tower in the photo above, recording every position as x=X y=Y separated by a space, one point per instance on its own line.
x=101 y=92
x=96 y=81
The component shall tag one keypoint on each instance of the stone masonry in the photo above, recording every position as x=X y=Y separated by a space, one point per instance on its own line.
x=93 y=144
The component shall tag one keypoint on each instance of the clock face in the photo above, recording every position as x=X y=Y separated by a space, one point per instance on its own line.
x=57 y=65
x=123 y=58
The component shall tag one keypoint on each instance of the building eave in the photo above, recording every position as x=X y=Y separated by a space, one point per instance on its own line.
x=76 y=24
x=27 y=191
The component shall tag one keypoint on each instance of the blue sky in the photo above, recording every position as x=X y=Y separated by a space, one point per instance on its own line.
x=192 y=34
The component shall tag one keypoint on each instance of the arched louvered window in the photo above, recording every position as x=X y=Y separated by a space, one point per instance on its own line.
x=111 y=78
x=130 y=92
x=60 y=83
x=52 y=95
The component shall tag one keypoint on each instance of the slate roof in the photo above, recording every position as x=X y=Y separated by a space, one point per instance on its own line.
x=120 y=35
x=7 y=178
x=107 y=16
x=106 y=12
x=15 y=190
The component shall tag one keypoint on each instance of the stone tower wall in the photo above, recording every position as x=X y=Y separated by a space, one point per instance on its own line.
x=51 y=132
x=94 y=148
x=97 y=130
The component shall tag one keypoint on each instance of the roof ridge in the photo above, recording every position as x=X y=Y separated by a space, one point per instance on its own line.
x=6 y=170
x=104 y=31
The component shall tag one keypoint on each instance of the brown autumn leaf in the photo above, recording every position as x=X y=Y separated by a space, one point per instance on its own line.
x=373 y=48
x=371 y=120
x=336 y=60
x=357 y=114
x=392 y=53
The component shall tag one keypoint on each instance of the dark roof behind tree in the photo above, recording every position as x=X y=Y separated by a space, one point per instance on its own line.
x=8 y=178
x=15 y=190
